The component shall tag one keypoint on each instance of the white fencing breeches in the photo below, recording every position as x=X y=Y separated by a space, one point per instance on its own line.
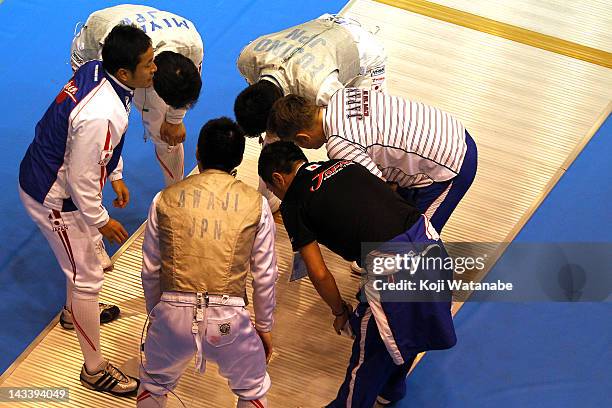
x=171 y=159
x=72 y=242
x=225 y=335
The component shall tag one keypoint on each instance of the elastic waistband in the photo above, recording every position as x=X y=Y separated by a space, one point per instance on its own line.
x=191 y=299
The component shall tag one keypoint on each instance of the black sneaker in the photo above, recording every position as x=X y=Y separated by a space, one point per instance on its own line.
x=110 y=379
x=108 y=313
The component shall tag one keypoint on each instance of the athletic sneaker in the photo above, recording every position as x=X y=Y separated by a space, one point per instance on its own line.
x=107 y=264
x=108 y=313
x=110 y=379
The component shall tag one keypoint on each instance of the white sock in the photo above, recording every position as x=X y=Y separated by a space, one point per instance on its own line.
x=171 y=161
x=258 y=403
x=69 y=290
x=86 y=320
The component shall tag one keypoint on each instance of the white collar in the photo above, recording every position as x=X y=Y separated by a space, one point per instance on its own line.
x=127 y=88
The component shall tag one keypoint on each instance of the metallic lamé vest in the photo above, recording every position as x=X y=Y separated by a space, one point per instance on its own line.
x=207 y=226
x=168 y=31
x=300 y=58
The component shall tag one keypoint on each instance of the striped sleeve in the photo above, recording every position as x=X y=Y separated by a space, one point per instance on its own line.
x=396 y=139
x=339 y=148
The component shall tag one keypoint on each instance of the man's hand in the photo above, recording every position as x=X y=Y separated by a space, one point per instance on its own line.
x=266 y=339
x=325 y=284
x=172 y=134
x=113 y=231
x=123 y=194
x=340 y=321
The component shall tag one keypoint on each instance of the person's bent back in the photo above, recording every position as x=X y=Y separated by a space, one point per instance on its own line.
x=340 y=204
x=179 y=51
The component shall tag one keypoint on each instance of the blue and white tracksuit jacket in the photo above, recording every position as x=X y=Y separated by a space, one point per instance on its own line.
x=77 y=145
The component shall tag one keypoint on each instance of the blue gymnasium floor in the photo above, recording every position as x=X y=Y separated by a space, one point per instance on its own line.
x=508 y=355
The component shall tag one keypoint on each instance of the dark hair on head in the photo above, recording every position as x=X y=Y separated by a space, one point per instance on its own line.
x=123 y=47
x=221 y=145
x=177 y=80
x=253 y=105
x=291 y=114
x=278 y=157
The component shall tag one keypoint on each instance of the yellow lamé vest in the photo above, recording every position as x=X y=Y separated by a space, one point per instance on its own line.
x=207 y=226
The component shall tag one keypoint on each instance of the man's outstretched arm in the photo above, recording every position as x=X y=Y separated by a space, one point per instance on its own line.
x=325 y=284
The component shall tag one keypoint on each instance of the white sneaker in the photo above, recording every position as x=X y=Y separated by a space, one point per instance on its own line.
x=107 y=264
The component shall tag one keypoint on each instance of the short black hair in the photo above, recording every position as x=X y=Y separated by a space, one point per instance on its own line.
x=221 y=145
x=253 y=106
x=177 y=80
x=278 y=157
x=123 y=47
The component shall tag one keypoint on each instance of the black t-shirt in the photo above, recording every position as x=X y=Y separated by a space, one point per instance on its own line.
x=341 y=204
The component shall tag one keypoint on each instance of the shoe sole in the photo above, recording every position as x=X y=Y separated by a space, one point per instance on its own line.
x=381 y=402
x=119 y=394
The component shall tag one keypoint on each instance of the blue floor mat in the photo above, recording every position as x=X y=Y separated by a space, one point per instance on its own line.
x=508 y=354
